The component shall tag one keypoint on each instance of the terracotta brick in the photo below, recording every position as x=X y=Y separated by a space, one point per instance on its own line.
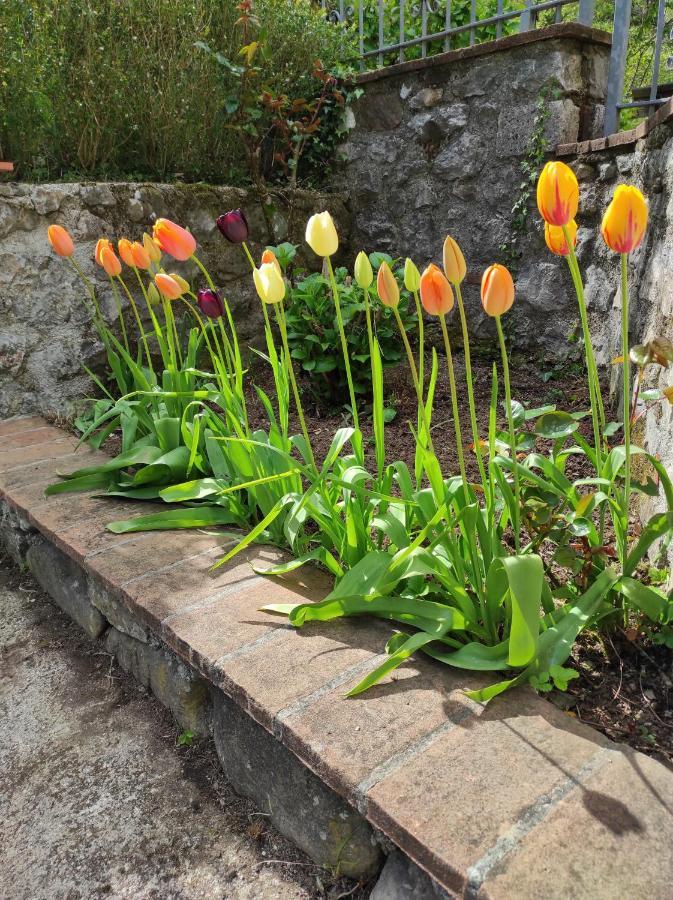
x=20 y=423
x=447 y=807
x=45 y=471
x=609 y=837
x=29 y=436
x=23 y=456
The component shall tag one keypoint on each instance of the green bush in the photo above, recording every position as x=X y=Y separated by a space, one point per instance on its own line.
x=314 y=339
x=102 y=88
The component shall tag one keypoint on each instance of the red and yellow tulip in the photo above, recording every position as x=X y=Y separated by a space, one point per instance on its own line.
x=555 y=238
x=557 y=194
x=174 y=239
x=625 y=220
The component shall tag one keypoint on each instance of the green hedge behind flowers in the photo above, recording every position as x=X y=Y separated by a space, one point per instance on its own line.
x=109 y=89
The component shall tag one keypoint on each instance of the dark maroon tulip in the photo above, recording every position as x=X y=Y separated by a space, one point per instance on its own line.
x=210 y=303
x=234 y=226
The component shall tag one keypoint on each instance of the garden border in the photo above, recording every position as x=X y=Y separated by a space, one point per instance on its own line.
x=512 y=800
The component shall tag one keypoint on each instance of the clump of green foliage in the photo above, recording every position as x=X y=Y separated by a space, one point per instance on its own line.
x=99 y=88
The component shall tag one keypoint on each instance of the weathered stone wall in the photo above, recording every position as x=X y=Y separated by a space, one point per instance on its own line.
x=436 y=147
x=45 y=330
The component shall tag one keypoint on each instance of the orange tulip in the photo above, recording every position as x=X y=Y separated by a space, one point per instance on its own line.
x=125 y=249
x=555 y=239
x=173 y=239
x=60 y=240
x=436 y=293
x=386 y=286
x=454 y=261
x=557 y=194
x=168 y=286
x=270 y=257
x=110 y=262
x=152 y=248
x=497 y=290
x=141 y=258
x=625 y=220
x=101 y=244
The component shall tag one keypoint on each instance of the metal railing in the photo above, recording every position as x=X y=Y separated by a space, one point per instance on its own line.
x=395 y=30
x=646 y=97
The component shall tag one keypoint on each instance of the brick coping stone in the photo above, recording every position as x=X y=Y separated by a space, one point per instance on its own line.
x=511 y=800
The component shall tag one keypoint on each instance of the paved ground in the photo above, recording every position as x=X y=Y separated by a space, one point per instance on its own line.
x=97 y=799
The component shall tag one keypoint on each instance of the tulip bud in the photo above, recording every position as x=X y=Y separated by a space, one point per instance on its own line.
x=110 y=262
x=234 y=226
x=168 y=286
x=270 y=257
x=436 y=293
x=555 y=239
x=210 y=303
x=141 y=258
x=454 y=262
x=321 y=235
x=125 y=248
x=152 y=249
x=153 y=294
x=60 y=240
x=101 y=244
x=412 y=277
x=557 y=194
x=625 y=220
x=173 y=239
x=181 y=281
x=269 y=283
x=386 y=286
x=363 y=270
x=497 y=290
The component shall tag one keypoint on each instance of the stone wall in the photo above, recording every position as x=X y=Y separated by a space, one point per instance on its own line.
x=45 y=331
x=436 y=147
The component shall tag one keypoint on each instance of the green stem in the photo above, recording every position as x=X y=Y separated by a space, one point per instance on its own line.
x=158 y=333
x=141 y=330
x=280 y=309
x=414 y=374
x=512 y=436
x=249 y=255
x=90 y=291
x=421 y=342
x=626 y=376
x=344 y=344
x=120 y=313
x=454 y=406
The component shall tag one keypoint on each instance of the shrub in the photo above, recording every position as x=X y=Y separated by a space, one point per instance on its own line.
x=106 y=89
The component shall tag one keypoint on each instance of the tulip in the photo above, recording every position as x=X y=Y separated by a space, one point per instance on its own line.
x=555 y=238
x=270 y=257
x=321 y=235
x=363 y=271
x=454 y=262
x=151 y=248
x=141 y=258
x=125 y=248
x=173 y=239
x=168 y=286
x=60 y=240
x=153 y=294
x=436 y=293
x=234 y=226
x=269 y=283
x=412 y=277
x=497 y=290
x=110 y=262
x=101 y=244
x=557 y=194
x=181 y=281
x=210 y=303
x=386 y=286
x=625 y=220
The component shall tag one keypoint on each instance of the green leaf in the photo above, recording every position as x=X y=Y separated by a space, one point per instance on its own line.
x=194 y=517
x=556 y=425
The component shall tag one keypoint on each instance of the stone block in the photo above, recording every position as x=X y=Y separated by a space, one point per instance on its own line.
x=66 y=584
x=171 y=681
x=115 y=612
x=300 y=806
x=401 y=879
x=16 y=535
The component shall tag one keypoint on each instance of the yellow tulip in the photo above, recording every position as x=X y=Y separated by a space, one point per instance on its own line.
x=497 y=290
x=321 y=235
x=557 y=194
x=436 y=293
x=152 y=249
x=270 y=257
x=412 y=277
x=181 y=281
x=386 y=286
x=363 y=270
x=625 y=220
x=454 y=262
x=269 y=283
x=555 y=239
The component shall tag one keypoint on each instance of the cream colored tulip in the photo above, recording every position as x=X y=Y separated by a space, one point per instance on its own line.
x=321 y=234
x=269 y=283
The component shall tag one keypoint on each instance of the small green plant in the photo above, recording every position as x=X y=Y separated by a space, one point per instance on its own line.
x=186 y=738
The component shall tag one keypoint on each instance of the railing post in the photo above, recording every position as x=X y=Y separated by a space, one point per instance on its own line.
x=620 y=44
x=526 y=21
x=586 y=12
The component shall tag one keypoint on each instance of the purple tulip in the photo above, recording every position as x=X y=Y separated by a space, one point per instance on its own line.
x=234 y=226
x=210 y=303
